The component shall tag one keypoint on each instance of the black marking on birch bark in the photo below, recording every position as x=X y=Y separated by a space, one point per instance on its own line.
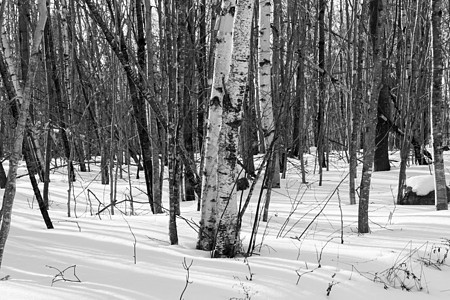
x=226 y=102
x=215 y=101
x=264 y=62
x=234 y=123
x=242 y=184
x=232 y=11
x=268 y=132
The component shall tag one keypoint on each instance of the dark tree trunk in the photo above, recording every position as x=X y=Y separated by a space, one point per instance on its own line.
x=202 y=67
x=321 y=95
x=37 y=193
x=60 y=104
x=381 y=159
x=139 y=107
x=172 y=156
x=186 y=41
x=10 y=91
x=24 y=17
x=3 y=177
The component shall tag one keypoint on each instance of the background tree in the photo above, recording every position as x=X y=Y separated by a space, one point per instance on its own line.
x=377 y=11
x=438 y=107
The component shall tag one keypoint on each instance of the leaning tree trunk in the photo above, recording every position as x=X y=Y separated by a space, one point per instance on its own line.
x=2 y=170
x=376 y=15
x=223 y=48
x=19 y=131
x=438 y=106
x=30 y=149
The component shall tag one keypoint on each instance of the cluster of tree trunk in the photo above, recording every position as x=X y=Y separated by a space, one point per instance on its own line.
x=180 y=84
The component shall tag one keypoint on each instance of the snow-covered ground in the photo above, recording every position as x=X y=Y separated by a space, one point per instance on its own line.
x=299 y=253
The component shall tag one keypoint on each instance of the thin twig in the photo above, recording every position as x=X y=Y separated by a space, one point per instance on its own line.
x=187 y=268
x=134 y=239
x=60 y=276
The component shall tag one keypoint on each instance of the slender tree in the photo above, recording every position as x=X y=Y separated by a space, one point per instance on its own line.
x=438 y=107
x=265 y=96
x=377 y=21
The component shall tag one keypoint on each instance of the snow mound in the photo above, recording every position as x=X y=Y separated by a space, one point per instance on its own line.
x=421 y=185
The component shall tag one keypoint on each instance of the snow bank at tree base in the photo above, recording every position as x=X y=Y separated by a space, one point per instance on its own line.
x=405 y=243
x=421 y=185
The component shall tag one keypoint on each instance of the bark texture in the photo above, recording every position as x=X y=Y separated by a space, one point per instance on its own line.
x=223 y=48
x=438 y=107
x=376 y=21
x=19 y=132
x=227 y=241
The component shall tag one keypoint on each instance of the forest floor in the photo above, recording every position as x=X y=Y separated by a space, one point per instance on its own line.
x=309 y=249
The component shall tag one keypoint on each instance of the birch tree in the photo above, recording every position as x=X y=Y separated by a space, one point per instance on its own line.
x=264 y=72
x=438 y=108
x=265 y=95
x=227 y=241
x=24 y=100
x=223 y=48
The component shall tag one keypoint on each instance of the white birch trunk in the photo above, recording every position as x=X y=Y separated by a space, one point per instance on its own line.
x=264 y=72
x=10 y=62
x=227 y=241
x=19 y=131
x=265 y=94
x=208 y=222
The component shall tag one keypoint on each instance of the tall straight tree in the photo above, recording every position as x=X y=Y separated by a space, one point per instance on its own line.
x=358 y=94
x=173 y=67
x=438 y=107
x=65 y=87
x=155 y=143
x=320 y=119
x=223 y=48
x=376 y=34
x=227 y=241
x=265 y=96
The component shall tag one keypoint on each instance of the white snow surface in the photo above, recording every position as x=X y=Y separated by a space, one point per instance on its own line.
x=421 y=185
x=309 y=247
